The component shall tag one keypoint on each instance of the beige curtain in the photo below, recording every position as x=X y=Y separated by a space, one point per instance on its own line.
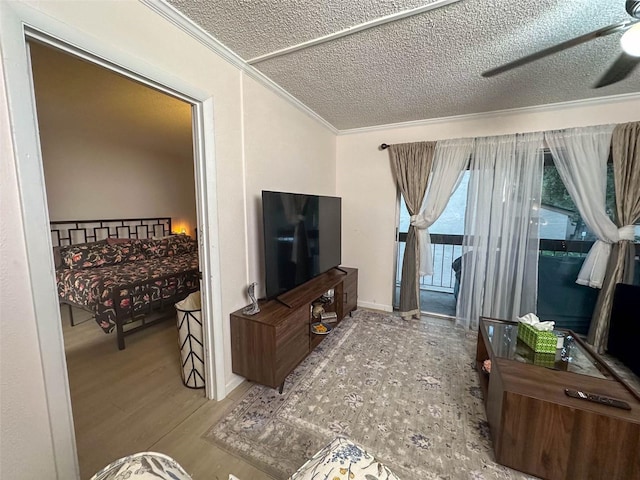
x=625 y=145
x=411 y=164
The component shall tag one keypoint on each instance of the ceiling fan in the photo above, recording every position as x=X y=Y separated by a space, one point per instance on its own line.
x=625 y=63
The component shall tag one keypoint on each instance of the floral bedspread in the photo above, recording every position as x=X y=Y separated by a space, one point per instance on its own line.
x=145 y=282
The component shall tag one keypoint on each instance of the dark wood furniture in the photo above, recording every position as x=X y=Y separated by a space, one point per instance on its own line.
x=536 y=428
x=267 y=346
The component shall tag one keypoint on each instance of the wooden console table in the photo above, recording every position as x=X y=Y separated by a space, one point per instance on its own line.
x=538 y=429
x=266 y=347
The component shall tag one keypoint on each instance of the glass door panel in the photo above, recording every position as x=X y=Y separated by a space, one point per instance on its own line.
x=438 y=292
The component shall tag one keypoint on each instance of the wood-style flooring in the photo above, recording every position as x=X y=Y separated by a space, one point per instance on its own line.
x=134 y=401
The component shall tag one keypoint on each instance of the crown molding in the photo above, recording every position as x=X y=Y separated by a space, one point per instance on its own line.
x=168 y=12
x=590 y=102
x=179 y=20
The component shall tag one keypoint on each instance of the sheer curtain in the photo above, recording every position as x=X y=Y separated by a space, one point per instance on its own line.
x=411 y=164
x=500 y=247
x=449 y=162
x=625 y=146
x=581 y=155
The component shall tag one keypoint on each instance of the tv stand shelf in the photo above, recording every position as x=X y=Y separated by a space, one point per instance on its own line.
x=267 y=346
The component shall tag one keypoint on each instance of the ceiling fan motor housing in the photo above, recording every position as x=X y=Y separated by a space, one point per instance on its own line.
x=633 y=8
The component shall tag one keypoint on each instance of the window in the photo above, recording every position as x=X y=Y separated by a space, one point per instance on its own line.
x=451 y=222
x=559 y=216
x=565 y=241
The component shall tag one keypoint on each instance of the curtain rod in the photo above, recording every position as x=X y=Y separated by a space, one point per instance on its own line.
x=384 y=146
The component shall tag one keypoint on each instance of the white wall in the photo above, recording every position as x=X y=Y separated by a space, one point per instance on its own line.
x=364 y=178
x=287 y=151
x=90 y=175
x=111 y=147
x=278 y=135
x=24 y=417
x=153 y=185
x=260 y=142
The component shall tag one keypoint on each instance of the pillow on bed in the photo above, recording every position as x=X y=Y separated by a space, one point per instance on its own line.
x=129 y=251
x=118 y=241
x=181 y=244
x=100 y=254
x=168 y=246
x=60 y=254
x=155 y=248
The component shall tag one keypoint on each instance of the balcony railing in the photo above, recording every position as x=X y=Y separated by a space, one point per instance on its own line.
x=446 y=248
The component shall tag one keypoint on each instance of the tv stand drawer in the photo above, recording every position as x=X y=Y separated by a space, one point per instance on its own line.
x=292 y=327
x=267 y=346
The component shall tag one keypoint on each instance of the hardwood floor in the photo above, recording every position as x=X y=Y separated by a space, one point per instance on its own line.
x=134 y=400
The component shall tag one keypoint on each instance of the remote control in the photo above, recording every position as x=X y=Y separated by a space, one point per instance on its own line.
x=592 y=397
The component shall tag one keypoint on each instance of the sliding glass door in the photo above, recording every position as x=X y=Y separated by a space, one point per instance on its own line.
x=438 y=292
x=565 y=241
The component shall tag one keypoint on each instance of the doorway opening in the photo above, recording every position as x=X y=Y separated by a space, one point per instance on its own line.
x=438 y=292
x=113 y=148
x=16 y=33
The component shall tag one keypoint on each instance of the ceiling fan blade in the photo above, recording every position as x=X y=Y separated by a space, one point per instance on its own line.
x=602 y=32
x=620 y=69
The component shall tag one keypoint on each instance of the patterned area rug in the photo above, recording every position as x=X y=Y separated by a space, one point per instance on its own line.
x=406 y=390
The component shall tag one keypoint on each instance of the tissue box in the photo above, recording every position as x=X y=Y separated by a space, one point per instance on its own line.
x=537 y=340
x=542 y=359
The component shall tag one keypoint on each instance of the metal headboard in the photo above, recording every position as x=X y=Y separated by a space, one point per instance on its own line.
x=70 y=232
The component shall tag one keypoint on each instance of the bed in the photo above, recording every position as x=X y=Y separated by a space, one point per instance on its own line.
x=123 y=271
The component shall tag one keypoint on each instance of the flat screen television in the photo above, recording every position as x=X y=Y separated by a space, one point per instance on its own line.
x=302 y=238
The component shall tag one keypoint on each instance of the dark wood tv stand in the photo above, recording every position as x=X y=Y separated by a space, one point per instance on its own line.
x=267 y=346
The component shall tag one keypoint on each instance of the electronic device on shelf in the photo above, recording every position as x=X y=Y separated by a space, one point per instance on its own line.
x=328 y=296
x=329 y=317
x=302 y=238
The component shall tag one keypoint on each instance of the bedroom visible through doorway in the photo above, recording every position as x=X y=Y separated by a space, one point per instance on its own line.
x=115 y=148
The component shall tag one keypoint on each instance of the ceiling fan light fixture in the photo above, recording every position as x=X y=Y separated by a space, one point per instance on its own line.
x=630 y=41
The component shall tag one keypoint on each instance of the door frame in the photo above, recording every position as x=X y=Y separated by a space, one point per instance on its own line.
x=19 y=23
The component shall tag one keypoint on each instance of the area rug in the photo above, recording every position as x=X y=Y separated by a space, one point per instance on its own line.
x=406 y=390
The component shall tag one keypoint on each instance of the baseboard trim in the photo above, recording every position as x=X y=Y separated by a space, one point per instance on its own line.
x=232 y=384
x=376 y=306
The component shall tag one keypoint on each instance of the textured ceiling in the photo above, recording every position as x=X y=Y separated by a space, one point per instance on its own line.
x=422 y=67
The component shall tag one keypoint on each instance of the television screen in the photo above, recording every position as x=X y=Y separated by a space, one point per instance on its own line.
x=301 y=238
